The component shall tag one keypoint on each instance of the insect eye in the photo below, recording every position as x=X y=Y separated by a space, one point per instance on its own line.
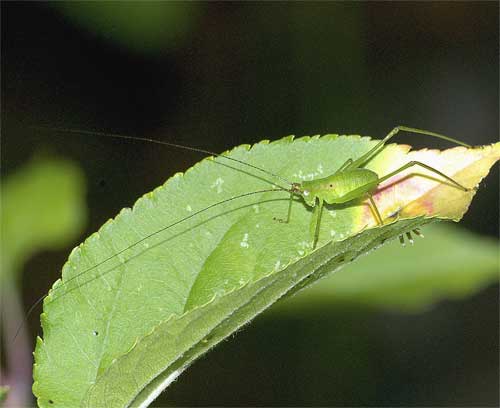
x=331 y=185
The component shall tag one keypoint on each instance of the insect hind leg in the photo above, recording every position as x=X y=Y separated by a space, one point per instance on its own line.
x=380 y=145
x=427 y=167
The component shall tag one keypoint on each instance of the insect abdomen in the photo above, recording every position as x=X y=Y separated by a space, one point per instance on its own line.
x=353 y=181
x=339 y=187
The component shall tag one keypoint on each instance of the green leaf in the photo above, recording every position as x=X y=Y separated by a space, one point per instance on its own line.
x=127 y=328
x=42 y=208
x=449 y=263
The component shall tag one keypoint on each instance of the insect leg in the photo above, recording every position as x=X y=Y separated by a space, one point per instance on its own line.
x=316 y=221
x=287 y=220
x=375 y=210
x=345 y=165
x=410 y=238
x=402 y=240
x=425 y=166
x=427 y=133
x=417 y=232
x=374 y=150
x=380 y=145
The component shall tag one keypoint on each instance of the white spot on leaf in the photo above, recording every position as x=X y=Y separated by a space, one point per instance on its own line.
x=218 y=185
x=304 y=244
x=309 y=176
x=244 y=241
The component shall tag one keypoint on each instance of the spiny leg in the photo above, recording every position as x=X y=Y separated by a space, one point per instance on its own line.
x=425 y=166
x=380 y=145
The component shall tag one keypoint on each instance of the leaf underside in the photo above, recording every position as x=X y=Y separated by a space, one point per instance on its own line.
x=126 y=329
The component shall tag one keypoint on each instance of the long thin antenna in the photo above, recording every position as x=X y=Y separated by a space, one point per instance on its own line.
x=41 y=298
x=160 y=142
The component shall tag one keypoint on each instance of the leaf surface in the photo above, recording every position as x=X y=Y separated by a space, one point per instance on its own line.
x=128 y=327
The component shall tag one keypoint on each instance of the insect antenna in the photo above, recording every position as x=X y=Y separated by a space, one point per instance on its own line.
x=161 y=142
x=41 y=298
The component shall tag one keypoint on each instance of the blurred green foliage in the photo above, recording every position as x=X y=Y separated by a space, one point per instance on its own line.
x=142 y=26
x=450 y=263
x=42 y=208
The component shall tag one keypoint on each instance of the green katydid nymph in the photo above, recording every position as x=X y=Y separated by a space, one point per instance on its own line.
x=352 y=182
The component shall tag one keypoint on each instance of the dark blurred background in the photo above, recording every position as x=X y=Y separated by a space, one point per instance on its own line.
x=215 y=75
